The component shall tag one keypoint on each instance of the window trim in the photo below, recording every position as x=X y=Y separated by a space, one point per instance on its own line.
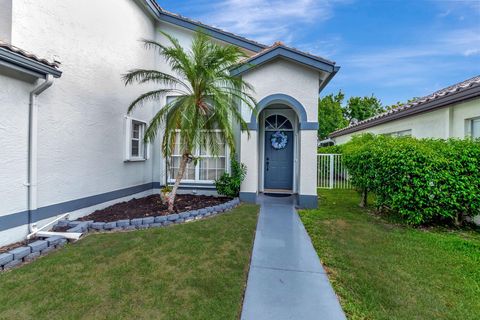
x=400 y=133
x=171 y=180
x=145 y=147
x=471 y=122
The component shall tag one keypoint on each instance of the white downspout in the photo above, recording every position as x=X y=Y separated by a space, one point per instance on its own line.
x=33 y=149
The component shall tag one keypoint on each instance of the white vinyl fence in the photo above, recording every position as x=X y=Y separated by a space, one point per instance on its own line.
x=331 y=172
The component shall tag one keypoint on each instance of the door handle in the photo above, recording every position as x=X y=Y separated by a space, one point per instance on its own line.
x=268 y=162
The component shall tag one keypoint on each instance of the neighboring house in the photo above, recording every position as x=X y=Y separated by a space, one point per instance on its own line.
x=453 y=112
x=67 y=145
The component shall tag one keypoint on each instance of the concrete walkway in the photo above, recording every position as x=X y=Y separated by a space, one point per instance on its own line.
x=286 y=279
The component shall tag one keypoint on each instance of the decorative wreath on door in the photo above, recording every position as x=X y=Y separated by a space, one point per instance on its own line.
x=279 y=140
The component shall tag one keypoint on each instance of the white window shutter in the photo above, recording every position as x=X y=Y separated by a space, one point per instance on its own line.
x=147 y=151
x=128 y=141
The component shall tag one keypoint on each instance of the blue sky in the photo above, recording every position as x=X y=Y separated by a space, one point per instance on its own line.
x=393 y=49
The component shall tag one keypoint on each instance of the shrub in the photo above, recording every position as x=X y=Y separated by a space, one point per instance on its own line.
x=229 y=184
x=424 y=180
x=330 y=149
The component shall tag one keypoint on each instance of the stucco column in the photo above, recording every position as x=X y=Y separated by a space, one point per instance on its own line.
x=307 y=193
x=249 y=156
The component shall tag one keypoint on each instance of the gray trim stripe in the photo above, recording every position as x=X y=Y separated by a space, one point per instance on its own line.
x=28 y=64
x=21 y=218
x=281 y=98
x=318 y=64
x=186 y=23
x=69 y=206
x=249 y=197
x=13 y=220
x=213 y=32
x=307 y=201
x=328 y=79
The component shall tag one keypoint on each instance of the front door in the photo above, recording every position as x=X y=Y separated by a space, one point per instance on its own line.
x=278 y=160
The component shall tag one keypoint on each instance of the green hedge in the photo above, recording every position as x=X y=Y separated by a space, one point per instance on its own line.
x=424 y=180
x=330 y=149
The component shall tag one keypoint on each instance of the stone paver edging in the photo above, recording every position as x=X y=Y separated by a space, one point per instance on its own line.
x=34 y=250
x=148 y=222
x=30 y=252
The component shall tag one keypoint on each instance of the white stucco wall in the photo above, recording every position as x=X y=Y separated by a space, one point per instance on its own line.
x=308 y=163
x=5 y=20
x=301 y=83
x=81 y=137
x=81 y=123
x=442 y=123
x=462 y=112
x=14 y=101
x=282 y=76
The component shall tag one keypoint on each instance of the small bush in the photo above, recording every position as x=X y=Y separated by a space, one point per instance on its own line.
x=424 y=180
x=229 y=185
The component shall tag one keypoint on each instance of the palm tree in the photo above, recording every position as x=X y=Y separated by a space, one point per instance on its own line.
x=207 y=98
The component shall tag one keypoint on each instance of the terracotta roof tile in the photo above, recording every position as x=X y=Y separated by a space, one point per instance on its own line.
x=281 y=44
x=27 y=54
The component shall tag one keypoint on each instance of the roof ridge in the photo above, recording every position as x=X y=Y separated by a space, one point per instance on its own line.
x=210 y=26
x=452 y=89
x=278 y=44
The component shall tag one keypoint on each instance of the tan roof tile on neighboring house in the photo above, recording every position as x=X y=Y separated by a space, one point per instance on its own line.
x=406 y=108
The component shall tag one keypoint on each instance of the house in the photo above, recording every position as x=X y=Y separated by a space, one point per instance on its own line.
x=67 y=144
x=452 y=112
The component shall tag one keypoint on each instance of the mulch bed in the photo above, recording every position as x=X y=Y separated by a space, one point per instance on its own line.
x=152 y=206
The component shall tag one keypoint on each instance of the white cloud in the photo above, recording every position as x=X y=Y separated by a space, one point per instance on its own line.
x=411 y=69
x=269 y=20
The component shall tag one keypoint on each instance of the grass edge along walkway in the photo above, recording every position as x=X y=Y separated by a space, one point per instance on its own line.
x=196 y=270
x=386 y=271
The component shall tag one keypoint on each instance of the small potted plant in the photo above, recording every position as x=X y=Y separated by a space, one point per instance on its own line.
x=165 y=193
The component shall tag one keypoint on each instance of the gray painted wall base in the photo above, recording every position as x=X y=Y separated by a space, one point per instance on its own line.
x=249 y=197
x=307 y=201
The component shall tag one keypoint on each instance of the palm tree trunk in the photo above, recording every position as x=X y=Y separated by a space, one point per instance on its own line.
x=181 y=172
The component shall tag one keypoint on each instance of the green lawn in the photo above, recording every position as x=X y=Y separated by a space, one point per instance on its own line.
x=386 y=271
x=192 y=271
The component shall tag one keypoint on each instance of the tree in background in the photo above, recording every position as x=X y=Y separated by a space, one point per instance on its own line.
x=330 y=114
x=399 y=104
x=361 y=108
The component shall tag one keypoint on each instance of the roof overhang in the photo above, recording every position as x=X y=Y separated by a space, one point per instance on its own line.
x=165 y=16
x=18 y=62
x=283 y=52
x=445 y=101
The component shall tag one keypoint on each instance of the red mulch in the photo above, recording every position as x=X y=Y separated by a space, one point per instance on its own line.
x=152 y=206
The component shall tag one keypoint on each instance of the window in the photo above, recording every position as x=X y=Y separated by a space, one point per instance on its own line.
x=475 y=128
x=208 y=167
x=403 y=133
x=136 y=150
x=277 y=122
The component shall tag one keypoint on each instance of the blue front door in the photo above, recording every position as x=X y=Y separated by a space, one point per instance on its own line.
x=278 y=164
